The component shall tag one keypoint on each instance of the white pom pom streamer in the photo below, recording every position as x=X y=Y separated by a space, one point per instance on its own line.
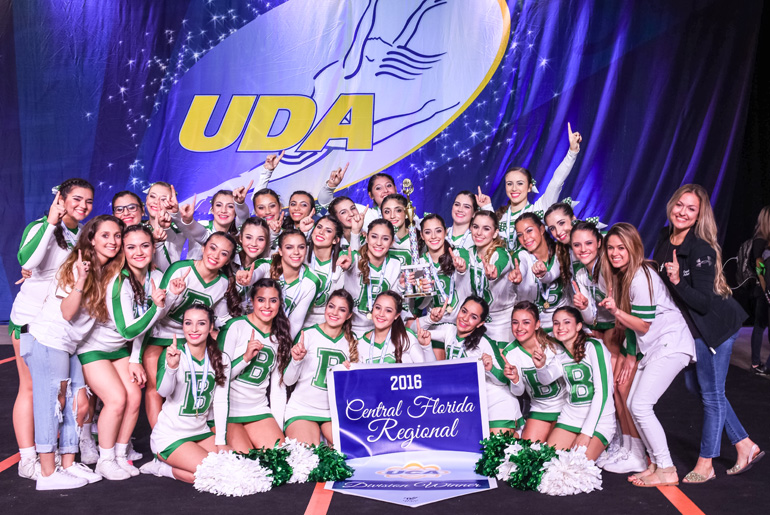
x=226 y=473
x=302 y=460
x=570 y=473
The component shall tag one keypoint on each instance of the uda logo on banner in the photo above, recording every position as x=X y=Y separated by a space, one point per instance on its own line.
x=331 y=82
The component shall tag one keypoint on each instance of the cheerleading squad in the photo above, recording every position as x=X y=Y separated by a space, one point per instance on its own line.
x=233 y=345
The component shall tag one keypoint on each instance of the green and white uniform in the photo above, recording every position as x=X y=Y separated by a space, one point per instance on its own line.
x=128 y=321
x=169 y=251
x=197 y=232
x=39 y=253
x=211 y=294
x=382 y=278
x=547 y=292
x=179 y=421
x=595 y=316
x=449 y=285
x=249 y=381
x=401 y=250
x=547 y=399
x=385 y=351
x=310 y=398
x=589 y=407
x=504 y=409
x=329 y=281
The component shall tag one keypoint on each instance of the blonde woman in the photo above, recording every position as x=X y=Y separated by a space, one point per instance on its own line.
x=691 y=267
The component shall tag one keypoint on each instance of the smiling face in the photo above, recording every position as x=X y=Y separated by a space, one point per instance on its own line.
x=196 y=326
x=267 y=303
x=469 y=318
x=378 y=242
x=223 y=208
x=267 y=207
x=107 y=241
x=381 y=188
x=157 y=194
x=524 y=325
x=324 y=234
x=483 y=230
x=462 y=209
x=395 y=213
x=617 y=253
x=138 y=248
x=585 y=246
x=559 y=224
x=253 y=240
x=300 y=206
x=345 y=210
x=217 y=253
x=384 y=312
x=337 y=312
x=530 y=235
x=293 y=251
x=516 y=188
x=128 y=209
x=433 y=234
x=685 y=212
x=79 y=203
x=565 y=327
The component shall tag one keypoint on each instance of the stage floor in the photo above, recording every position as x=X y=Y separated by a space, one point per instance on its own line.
x=679 y=412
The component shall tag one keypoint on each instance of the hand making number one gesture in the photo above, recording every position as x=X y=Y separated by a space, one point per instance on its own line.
x=252 y=348
x=574 y=139
x=272 y=161
x=515 y=274
x=173 y=354
x=579 y=300
x=298 y=352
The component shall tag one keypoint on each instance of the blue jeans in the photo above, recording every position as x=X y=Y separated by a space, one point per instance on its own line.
x=49 y=368
x=707 y=379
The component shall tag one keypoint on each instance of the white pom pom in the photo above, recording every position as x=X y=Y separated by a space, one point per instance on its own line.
x=505 y=470
x=229 y=474
x=302 y=460
x=570 y=473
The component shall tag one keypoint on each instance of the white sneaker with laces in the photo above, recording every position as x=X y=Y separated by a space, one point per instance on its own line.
x=29 y=469
x=110 y=469
x=131 y=454
x=59 y=480
x=82 y=471
x=89 y=454
x=123 y=463
x=151 y=467
x=631 y=462
x=602 y=459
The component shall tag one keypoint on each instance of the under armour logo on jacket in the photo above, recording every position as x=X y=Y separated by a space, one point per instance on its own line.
x=707 y=261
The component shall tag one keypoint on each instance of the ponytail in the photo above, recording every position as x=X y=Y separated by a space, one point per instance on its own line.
x=472 y=340
x=579 y=347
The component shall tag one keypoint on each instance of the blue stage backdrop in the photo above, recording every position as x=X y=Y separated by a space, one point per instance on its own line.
x=446 y=92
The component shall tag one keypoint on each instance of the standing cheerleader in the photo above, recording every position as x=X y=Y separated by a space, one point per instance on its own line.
x=519 y=183
x=394 y=211
x=322 y=257
x=559 y=220
x=352 y=220
x=390 y=341
x=194 y=379
x=371 y=272
x=254 y=238
x=463 y=207
x=75 y=301
x=438 y=253
x=45 y=245
x=208 y=280
x=267 y=205
x=161 y=207
x=229 y=212
x=127 y=206
x=589 y=286
x=642 y=304
x=318 y=350
x=488 y=264
x=301 y=211
x=588 y=417
x=547 y=399
x=466 y=338
x=259 y=346
x=690 y=244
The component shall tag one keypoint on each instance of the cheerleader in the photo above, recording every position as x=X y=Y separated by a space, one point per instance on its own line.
x=538 y=274
x=162 y=207
x=391 y=341
x=438 y=254
x=322 y=257
x=127 y=206
x=394 y=211
x=370 y=272
x=642 y=304
x=519 y=183
x=75 y=301
x=253 y=239
x=488 y=264
x=259 y=347
x=267 y=205
x=229 y=212
x=194 y=378
x=463 y=207
x=301 y=211
x=547 y=399
x=352 y=220
x=587 y=419
x=45 y=245
x=208 y=280
x=319 y=349
x=466 y=338
x=559 y=220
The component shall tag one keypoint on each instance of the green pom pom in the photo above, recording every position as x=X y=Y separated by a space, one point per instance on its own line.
x=493 y=449
x=331 y=465
x=275 y=460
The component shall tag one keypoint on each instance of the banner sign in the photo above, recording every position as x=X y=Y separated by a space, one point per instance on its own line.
x=411 y=432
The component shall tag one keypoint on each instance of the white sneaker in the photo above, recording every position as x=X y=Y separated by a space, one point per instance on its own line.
x=602 y=459
x=82 y=471
x=631 y=463
x=131 y=454
x=89 y=454
x=152 y=467
x=29 y=469
x=59 y=480
x=123 y=463
x=110 y=469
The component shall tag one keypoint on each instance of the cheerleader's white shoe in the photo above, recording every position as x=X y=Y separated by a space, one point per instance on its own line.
x=59 y=480
x=123 y=463
x=89 y=454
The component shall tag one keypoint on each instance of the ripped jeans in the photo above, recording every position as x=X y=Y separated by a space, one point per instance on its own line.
x=50 y=367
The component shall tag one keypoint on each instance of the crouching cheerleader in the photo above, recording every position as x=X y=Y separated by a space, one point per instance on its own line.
x=181 y=438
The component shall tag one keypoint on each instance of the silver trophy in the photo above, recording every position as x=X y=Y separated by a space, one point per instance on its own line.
x=419 y=267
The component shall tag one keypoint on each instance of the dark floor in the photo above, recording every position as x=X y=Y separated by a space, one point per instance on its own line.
x=679 y=412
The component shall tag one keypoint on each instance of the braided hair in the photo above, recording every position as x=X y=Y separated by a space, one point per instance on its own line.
x=579 y=346
x=64 y=190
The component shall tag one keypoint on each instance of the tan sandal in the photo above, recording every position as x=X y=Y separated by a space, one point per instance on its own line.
x=647 y=481
x=646 y=472
x=753 y=458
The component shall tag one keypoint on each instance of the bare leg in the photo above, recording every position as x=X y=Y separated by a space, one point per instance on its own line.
x=305 y=431
x=537 y=430
x=152 y=401
x=264 y=433
x=186 y=458
x=105 y=382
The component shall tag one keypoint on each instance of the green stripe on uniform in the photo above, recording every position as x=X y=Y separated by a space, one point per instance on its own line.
x=165 y=453
x=320 y=420
x=100 y=355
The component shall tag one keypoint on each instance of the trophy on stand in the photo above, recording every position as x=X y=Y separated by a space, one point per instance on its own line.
x=419 y=267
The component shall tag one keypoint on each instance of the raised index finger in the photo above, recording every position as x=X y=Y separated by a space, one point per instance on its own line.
x=186 y=273
x=80 y=255
x=249 y=186
x=569 y=129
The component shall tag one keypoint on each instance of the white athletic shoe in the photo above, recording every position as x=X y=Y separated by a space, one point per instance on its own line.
x=602 y=459
x=82 y=471
x=110 y=469
x=630 y=463
x=123 y=463
x=153 y=467
x=29 y=468
x=59 y=480
x=131 y=454
x=89 y=454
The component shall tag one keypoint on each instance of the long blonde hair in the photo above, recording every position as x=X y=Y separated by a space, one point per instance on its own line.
x=620 y=281
x=706 y=229
x=762 y=229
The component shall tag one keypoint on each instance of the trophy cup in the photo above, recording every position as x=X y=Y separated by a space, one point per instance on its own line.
x=418 y=266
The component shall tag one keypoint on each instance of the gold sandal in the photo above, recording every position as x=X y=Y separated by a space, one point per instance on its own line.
x=646 y=481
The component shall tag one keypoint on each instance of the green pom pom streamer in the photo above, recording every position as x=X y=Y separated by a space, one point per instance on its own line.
x=331 y=465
